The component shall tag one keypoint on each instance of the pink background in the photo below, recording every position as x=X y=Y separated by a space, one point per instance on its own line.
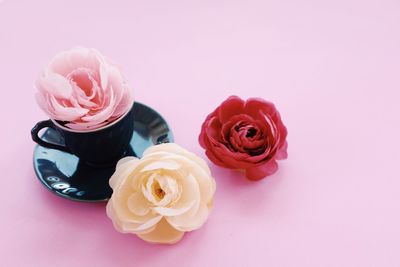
x=332 y=69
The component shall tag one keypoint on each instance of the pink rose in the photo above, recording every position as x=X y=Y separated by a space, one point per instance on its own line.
x=247 y=135
x=83 y=89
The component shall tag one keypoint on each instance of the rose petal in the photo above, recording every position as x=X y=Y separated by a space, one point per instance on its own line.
x=188 y=221
x=124 y=167
x=233 y=159
x=67 y=61
x=203 y=136
x=138 y=204
x=117 y=83
x=253 y=107
x=85 y=126
x=137 y=223
x=66 y=113
x=54 y=84
x=282 y=152
x=230 y=107
x=190 y=193
x=213 y=130
x=125 y=160
x=122 y=225
x=125 y=104
x=148 y=223
x=229 y=125
x=168 y=165
x=167 y=148
x=43 y=104
x=103 y=75
x=215 y=159
x=163 y=233
x=104 y=114
x=165 y=211
x=262 y=171
x=197 y=176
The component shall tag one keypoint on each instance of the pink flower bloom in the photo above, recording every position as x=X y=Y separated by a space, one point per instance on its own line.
x=82 y=89
x=247 y=135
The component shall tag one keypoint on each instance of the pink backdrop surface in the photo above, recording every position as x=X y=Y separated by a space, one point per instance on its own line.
x=332 y=69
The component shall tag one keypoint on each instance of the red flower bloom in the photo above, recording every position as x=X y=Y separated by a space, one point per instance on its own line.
x=246 y=135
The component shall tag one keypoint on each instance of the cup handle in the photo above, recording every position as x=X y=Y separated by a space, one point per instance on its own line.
x=35 y=136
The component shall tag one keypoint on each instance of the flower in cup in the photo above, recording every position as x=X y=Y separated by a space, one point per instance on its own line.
x=83 y=90
x=247 y=135
x=161 y=196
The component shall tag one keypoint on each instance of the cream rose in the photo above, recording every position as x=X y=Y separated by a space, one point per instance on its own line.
x=161 y=196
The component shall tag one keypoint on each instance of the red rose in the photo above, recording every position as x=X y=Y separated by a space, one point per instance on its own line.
x=246 y=135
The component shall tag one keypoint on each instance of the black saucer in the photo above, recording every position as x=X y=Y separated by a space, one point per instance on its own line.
x=66 y=176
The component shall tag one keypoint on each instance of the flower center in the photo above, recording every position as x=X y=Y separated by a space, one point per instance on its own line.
x=161 y=190
x=157 y=191
x=251 y=132
x=83 y=78
x=247 y=137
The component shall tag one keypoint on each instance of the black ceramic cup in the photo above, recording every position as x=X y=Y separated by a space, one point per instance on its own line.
x=99 y=147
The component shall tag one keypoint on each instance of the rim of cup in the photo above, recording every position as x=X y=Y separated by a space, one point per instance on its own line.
x=56 y=123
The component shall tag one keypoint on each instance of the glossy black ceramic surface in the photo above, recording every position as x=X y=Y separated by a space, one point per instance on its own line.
x=67 y=176
x=99 y=147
